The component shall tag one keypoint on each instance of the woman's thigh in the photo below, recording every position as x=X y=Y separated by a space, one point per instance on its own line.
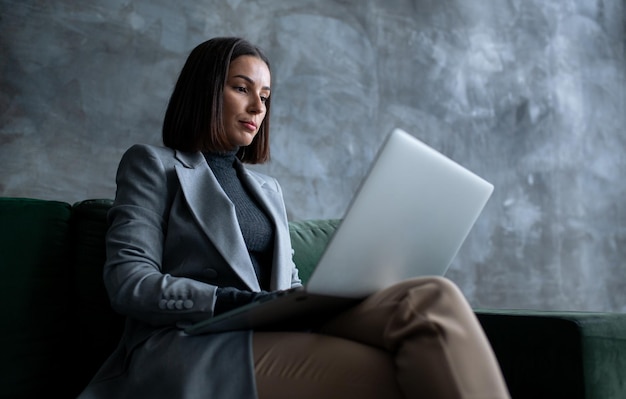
x=309 y=365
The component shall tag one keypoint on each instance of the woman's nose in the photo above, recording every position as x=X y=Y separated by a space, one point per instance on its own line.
x=256 y=106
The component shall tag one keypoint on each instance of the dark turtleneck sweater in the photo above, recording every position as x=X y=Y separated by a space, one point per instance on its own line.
x=256 y=228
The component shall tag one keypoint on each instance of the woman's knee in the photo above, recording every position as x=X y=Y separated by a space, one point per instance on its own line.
x=438 y=285
x=433 y=295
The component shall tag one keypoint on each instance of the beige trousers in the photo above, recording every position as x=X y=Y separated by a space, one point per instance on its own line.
x=416 y=339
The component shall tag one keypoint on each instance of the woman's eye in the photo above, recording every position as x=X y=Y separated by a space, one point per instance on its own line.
x=264 y=99
x=241 y=89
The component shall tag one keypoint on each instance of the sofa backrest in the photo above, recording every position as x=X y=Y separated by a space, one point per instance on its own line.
x=35 y=269
x=51 y=259
x=97 y=327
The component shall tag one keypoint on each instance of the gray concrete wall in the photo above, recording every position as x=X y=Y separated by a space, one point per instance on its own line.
x=527 y=93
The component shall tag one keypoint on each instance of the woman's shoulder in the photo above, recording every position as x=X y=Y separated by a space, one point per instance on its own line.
x=143 y=159
x=147 y=150
x=148 y=154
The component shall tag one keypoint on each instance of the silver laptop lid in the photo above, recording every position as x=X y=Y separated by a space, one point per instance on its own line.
x=409 y=218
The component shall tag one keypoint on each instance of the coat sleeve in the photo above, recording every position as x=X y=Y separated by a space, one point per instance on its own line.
x=132 y=274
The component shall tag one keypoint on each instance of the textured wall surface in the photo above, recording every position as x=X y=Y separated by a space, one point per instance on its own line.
x=529 y=94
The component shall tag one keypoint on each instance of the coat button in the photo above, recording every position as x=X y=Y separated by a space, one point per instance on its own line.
x=188 y=304
x=171 y=304
x=179 y=304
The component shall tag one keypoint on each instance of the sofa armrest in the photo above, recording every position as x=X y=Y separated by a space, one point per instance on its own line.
x=550 y=354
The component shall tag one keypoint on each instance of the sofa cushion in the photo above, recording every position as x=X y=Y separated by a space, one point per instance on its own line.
x=308 y=240
x=34 y=281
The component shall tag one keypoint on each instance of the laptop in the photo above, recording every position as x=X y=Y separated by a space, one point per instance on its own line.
x=409 y=218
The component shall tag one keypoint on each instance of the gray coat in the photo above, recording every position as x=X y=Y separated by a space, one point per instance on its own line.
x=174 y=237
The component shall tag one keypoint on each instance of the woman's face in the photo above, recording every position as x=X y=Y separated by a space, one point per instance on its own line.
x=246 y=90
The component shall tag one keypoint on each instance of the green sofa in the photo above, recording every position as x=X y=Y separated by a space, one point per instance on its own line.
x=58 y=327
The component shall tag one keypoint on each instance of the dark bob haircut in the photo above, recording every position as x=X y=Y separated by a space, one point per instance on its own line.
x=193 y=120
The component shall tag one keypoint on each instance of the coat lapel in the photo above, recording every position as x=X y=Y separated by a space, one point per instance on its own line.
x=272 y=202
x=215 y=213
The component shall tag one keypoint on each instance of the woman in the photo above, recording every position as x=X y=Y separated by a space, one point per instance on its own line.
x=193 y=233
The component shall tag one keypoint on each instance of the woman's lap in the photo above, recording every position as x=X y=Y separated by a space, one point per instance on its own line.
x=317 y=365
x=419 y=337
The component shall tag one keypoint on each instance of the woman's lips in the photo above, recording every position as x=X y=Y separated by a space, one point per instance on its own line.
x=249 y=125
